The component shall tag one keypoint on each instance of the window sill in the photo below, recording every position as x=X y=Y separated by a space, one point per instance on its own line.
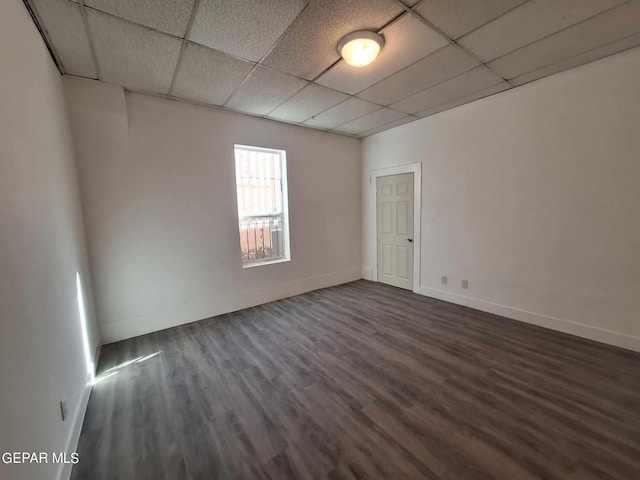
x=266 y=262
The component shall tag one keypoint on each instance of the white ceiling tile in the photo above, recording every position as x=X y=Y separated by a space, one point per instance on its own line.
x=307 y=102
x=526 y=40
x=170 y=16
x=485 y=92
x=592 y=33
x=376 y=119
x=64 y=26
x=344 y=112
x=457 y=17
x=406 y=41
x=310 y=45
x=133 y=56
x=608 y=49
x=469 y=82
x=437 y=67
x=528 y=23
x=264 y=90
x=244 y=28
x=208 y=76
x=388 y=126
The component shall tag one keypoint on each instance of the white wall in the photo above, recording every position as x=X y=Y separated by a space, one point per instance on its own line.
x=158 y=190
x=41 y=249
x=533 y=196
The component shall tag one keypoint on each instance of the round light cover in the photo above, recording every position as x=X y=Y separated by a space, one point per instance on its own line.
x=360 y=48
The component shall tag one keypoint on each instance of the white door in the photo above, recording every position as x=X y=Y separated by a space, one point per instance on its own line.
x=394 y=204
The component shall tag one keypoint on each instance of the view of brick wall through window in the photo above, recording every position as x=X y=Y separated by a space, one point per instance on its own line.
x=259 y=186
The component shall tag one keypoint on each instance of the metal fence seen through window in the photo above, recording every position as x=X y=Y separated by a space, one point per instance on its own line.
x=261 y=204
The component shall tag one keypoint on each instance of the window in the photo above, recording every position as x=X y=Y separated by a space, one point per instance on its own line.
x=261 y=186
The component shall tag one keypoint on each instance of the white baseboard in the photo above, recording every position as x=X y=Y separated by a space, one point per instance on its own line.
x=210 y=307
x=367 y=273
x=64 y=471
x=566 y=326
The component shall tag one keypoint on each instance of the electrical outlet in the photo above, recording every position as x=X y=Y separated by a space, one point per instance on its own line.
x=444 y=280
x=63 y=409
x=465 y=283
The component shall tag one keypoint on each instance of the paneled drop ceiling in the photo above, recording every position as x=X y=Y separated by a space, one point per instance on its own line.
x=278 y=58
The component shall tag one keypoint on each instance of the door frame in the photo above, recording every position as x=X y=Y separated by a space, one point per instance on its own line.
x=416 y=169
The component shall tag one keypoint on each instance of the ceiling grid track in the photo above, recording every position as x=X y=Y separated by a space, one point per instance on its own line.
x=260 y=62
x=559 y=31
x=35 y=16
x=550 y=65
x=454 y=42
x=92 y=48
x=185 y=41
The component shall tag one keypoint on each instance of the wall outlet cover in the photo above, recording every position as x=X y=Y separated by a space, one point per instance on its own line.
x=465 y=283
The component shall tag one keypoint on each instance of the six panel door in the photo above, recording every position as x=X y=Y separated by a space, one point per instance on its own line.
x=394 y=205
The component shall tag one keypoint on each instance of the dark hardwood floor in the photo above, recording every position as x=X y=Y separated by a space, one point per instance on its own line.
x=362 y=381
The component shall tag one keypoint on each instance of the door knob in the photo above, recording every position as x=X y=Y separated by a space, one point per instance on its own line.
x=410 y=239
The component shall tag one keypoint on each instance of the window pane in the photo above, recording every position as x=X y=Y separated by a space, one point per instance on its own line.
x=260 y=190
x=259 y=183
x=261 y=238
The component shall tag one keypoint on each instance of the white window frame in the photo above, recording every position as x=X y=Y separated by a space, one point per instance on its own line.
x=285 y=205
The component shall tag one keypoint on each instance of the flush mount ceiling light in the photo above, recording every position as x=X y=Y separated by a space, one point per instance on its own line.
x=360 y=48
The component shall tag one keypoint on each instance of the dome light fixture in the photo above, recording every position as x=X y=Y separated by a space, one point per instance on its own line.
x=360 y=48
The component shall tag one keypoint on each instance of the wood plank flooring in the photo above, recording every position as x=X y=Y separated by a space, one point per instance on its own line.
x=362 y=381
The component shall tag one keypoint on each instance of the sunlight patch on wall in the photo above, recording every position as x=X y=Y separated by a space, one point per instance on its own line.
x=85 y=333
